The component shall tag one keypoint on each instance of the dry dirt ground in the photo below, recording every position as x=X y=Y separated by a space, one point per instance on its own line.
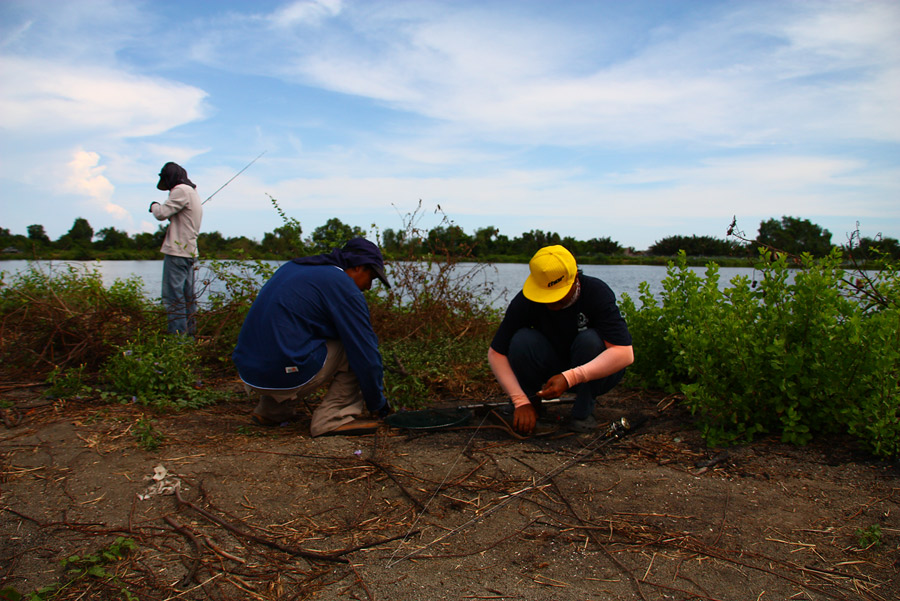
x=471 y=513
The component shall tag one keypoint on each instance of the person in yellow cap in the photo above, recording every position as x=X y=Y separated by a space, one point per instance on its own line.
x=562 y=331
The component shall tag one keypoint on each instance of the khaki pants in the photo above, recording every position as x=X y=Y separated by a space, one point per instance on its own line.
x=342 y=403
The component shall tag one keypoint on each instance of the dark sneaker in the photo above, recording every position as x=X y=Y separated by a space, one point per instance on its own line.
x=582 y=426
x=357 y=427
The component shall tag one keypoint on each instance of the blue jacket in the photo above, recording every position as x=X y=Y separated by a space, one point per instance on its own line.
x=282 y=340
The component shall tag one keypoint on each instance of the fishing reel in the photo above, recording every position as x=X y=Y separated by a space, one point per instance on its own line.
x=618 y=427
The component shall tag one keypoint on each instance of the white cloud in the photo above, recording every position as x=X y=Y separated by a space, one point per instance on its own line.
x=717 y=188
x=86 y=178
x=846 y=32
x=790 y=172
x=763 y=73
x=305 y=12
x=52 y=97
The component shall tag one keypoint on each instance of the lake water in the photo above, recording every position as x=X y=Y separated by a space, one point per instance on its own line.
x=507 y=277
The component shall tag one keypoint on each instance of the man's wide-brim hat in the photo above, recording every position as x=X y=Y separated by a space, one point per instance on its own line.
x=553 y=271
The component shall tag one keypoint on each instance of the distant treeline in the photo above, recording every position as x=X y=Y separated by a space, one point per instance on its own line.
x=81 y=242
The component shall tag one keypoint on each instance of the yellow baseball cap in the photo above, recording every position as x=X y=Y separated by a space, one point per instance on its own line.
x=553 y=272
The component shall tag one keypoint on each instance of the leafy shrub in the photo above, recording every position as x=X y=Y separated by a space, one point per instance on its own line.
x=67 y=382
x=421 y=370
x=435 y=323
x=146 y=435
x=873 y=414
x=651 y=324
x=65 y=317
x=798 y=358
x=85 y=569
x=156 y=370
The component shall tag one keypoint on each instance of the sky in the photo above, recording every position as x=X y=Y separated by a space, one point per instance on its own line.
x=628 y=120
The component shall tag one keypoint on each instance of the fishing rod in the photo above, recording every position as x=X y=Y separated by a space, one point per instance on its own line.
x=234 y=176
x=557 y=401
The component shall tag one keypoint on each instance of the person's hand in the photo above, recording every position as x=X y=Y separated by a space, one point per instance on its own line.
x=150 y=210
x=524 y=418
x=554 y=387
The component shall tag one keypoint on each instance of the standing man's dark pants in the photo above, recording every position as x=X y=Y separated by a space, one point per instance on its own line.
x=534 y=361
x=178 y=294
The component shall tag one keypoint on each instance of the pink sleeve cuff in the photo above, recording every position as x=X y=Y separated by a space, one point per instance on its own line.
x=575 y=376
x=519 y=400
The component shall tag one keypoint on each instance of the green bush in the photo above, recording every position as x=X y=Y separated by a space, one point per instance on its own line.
x=67 y=383
x=650 y=324
x=156 y=370
x=435 y=323
x=798 y=358
x=146 y=435
x=873 y=416
x=869 y=538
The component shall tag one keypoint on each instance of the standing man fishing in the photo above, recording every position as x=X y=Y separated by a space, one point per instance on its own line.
x=184 y=211
x=562 y=331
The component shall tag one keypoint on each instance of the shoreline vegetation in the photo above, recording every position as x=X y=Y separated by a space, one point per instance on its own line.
x=812 y=356
x=446 y=241
x=661 y=260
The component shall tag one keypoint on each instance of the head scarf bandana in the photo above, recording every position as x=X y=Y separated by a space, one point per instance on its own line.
x=171 y=175
x=358 y=251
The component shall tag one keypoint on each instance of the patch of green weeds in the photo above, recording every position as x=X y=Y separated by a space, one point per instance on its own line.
x=156 y=370
x=869 y=538
x=97 y=416
x=67 y=383
x=219 y=322
x=422 y=370
x=146 y=434
x=82 y=569
x=436 y=321
x=8 y=593
x=249 y=431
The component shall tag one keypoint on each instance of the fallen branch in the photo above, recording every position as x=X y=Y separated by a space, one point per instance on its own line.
x=406 y=493
x=312 y=555
x=195 y=544
x=383 y=541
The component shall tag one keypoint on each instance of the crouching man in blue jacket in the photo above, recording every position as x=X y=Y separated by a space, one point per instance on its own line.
x=310 y=327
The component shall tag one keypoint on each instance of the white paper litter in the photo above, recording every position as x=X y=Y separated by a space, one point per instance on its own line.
x=161 y=483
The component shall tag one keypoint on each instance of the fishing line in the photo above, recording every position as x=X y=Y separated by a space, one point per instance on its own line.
x=234 y=176
x=615 y=431
x=440 y=487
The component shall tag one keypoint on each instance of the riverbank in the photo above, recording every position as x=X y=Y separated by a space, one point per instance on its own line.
x=148 y=255
x=653 y=515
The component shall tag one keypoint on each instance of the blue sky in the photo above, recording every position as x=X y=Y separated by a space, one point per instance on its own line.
x=632 y=120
